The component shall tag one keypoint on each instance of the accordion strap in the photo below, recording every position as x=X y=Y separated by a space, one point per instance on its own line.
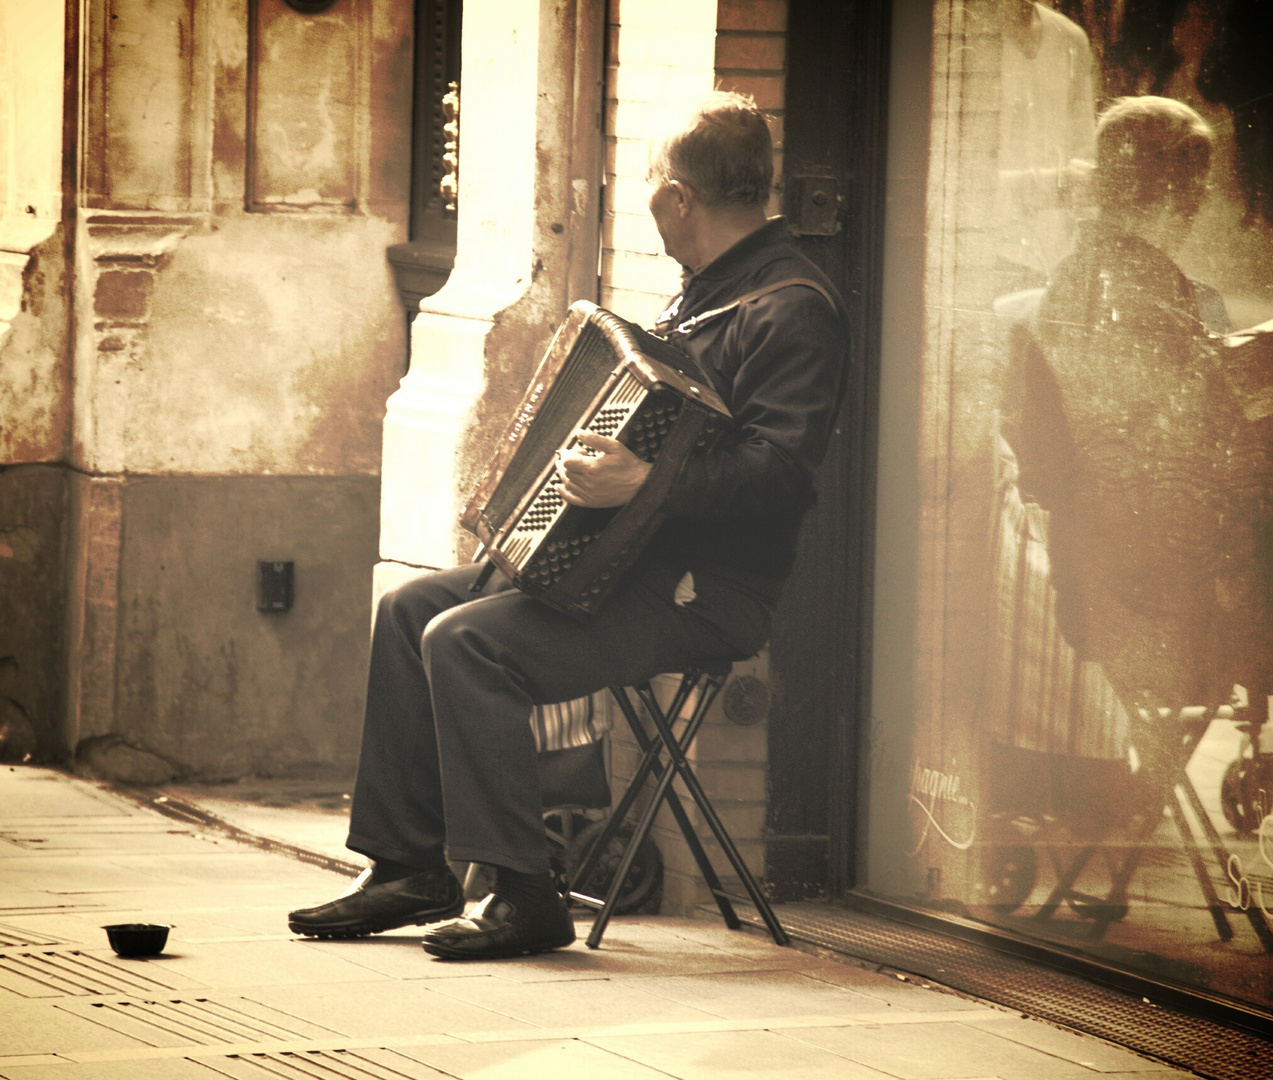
x=694 y=322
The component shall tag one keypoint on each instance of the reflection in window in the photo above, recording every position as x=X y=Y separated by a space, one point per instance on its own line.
x=1101 y=447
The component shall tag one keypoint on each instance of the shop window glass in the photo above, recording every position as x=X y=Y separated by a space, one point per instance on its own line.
x=1091 y=748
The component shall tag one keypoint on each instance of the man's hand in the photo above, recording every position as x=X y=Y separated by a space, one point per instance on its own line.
x=610 y=478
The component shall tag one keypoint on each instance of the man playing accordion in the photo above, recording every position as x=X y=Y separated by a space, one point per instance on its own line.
x=448 y=762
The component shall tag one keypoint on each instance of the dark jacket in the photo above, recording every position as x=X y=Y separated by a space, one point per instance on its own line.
x=779 y=362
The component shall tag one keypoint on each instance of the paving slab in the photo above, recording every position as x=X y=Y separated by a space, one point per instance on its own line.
x=1091 y=1053
x=762 y=992
x=384 y=1009
x=894 y=989
x=720 y=1055
x=599 y=1002
x=521 y=1060
x=950 y=1051
x=32 y=1027
x=165 y=1069
x=365 y=1064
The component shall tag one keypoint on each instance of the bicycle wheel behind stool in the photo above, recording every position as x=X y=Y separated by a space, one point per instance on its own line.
x=642 y=890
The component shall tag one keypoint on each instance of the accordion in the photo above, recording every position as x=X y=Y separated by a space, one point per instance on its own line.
x=607 y=376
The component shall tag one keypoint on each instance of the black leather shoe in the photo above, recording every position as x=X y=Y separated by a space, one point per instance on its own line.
x=368 y=907
x=495 y=929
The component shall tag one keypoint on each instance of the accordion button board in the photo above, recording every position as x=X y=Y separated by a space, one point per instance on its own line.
x=571 y=557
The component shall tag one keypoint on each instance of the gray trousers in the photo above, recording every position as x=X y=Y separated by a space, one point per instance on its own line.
x=448 y=757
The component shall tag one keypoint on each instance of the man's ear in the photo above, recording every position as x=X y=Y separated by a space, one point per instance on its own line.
x=686 y=199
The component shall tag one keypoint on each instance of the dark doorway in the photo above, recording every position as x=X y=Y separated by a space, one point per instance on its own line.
x=833 y=184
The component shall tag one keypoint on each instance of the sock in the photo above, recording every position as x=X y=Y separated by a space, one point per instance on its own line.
x=524 y=891
x=386 y=870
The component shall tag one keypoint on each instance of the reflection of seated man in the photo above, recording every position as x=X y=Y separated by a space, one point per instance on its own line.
x=448 y=765
x=1122 y=426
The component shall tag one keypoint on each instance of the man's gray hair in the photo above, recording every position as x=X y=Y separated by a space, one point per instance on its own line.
x=721 y=149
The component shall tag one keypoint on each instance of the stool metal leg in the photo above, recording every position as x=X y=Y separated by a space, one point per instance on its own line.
x=710 y=688
x=652 y=747
x=681 y=765
x=649 y=764
x=663 y=791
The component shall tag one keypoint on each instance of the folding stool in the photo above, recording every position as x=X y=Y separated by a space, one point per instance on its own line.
x=707 y=679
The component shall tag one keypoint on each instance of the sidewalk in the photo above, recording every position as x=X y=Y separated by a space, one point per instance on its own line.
x=236 y=995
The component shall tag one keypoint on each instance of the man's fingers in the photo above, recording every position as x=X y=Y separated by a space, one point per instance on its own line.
x=573 y=466
x=594 y=441
x=572 y=494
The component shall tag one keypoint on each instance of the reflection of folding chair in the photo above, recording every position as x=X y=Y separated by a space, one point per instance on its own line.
x=1163 y=744
x=1074 y=771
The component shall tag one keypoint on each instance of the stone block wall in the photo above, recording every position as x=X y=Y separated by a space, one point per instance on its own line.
x=661 y=54
x=221 y=257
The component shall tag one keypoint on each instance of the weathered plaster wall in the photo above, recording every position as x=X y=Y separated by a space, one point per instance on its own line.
x=204 y=678
x=236 y=344
x=35 y=400
x=33 y=502
x=238 y=334
x=34 y=378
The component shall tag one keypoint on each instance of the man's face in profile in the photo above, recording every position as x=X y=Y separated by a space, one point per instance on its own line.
x=666 y=206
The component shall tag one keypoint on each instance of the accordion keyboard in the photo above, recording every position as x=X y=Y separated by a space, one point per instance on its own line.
x=638 y=418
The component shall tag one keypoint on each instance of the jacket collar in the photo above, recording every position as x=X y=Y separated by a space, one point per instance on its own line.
x=729 y=262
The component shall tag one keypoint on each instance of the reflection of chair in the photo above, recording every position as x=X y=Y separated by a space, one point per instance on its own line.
x=1248 y=781
x=1121 y=825
x=699 y=684
x=1075 y=772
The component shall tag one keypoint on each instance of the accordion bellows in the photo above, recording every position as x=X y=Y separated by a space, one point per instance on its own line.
x=604 y=375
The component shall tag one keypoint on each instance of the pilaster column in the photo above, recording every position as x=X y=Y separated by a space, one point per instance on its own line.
x=494 y=257
x=529 y=189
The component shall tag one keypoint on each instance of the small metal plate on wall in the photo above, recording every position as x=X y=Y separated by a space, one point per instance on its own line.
x=813 y=205
x=275 y=585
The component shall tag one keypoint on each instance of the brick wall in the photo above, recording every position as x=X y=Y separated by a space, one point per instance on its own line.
x=660 y=53
x=751 y=58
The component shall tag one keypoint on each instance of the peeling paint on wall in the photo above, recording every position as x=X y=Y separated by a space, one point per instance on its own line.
x=260 y=344
x=34 y=374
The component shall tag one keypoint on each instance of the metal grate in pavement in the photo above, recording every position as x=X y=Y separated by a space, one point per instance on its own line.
x=197 y=1021
x=61 y=972
x=1210 y=1048
x=321 y=1065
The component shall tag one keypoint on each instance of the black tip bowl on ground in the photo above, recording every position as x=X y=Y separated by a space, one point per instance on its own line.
x=137 y=939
